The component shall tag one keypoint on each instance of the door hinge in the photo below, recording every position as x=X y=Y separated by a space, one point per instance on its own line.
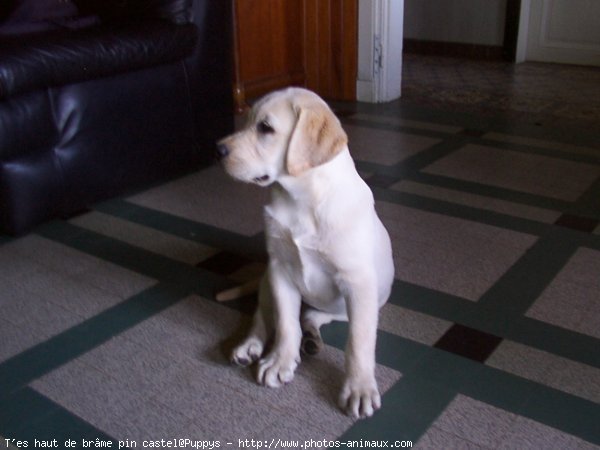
x=377 y=53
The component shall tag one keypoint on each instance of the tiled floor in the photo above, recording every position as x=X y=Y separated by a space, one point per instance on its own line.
x=109 y=330
x=545 y=94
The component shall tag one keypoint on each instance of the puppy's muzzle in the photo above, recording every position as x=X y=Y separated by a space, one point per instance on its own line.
x=221 y=152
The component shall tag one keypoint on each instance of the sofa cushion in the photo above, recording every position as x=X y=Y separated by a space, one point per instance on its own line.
x=62 y=57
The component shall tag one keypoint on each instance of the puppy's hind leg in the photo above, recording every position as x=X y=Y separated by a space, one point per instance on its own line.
x=312 y=320
x=251 y=349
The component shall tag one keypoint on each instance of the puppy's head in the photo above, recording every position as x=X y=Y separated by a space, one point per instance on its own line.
x=288 y=133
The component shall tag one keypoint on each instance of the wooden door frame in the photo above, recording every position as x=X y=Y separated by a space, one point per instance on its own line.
x=381 y=29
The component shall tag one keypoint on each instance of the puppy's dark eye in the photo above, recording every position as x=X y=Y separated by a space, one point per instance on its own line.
x=265 y=127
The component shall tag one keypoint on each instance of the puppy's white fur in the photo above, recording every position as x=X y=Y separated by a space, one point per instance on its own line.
x=326 y=245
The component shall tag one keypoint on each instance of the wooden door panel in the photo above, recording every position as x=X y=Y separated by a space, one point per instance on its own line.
x=310 y=43
x=331 y=41
x=269 y=44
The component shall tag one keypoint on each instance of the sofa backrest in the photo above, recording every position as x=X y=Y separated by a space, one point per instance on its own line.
x=30 y=16
x=177 y=11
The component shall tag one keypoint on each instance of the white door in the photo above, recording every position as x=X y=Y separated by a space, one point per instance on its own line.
x=561 y=31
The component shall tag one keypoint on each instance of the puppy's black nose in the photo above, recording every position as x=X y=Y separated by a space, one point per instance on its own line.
x=222 y=151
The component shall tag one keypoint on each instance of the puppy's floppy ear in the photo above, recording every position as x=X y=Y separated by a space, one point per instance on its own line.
x=316 y=139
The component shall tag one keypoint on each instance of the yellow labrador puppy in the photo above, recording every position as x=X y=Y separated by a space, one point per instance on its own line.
x=326 y=245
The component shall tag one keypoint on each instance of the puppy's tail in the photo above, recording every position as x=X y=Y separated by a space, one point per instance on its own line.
x=250 y=287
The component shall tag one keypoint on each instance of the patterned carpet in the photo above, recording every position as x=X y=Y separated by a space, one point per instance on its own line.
x=491 y=337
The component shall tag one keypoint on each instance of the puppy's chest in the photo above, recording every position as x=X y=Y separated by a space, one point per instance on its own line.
x=296 y=242
x=292 y=236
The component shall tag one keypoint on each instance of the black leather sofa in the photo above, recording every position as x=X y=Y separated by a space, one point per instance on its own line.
x=119 y=96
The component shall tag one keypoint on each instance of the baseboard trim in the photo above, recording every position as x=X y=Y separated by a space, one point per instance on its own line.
x=456 y=49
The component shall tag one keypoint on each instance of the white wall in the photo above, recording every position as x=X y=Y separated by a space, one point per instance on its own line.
x=466 y=21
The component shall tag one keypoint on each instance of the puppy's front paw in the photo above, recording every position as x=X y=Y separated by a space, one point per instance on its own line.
x=360 y=397
x=247 y=352
x=277 y=369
